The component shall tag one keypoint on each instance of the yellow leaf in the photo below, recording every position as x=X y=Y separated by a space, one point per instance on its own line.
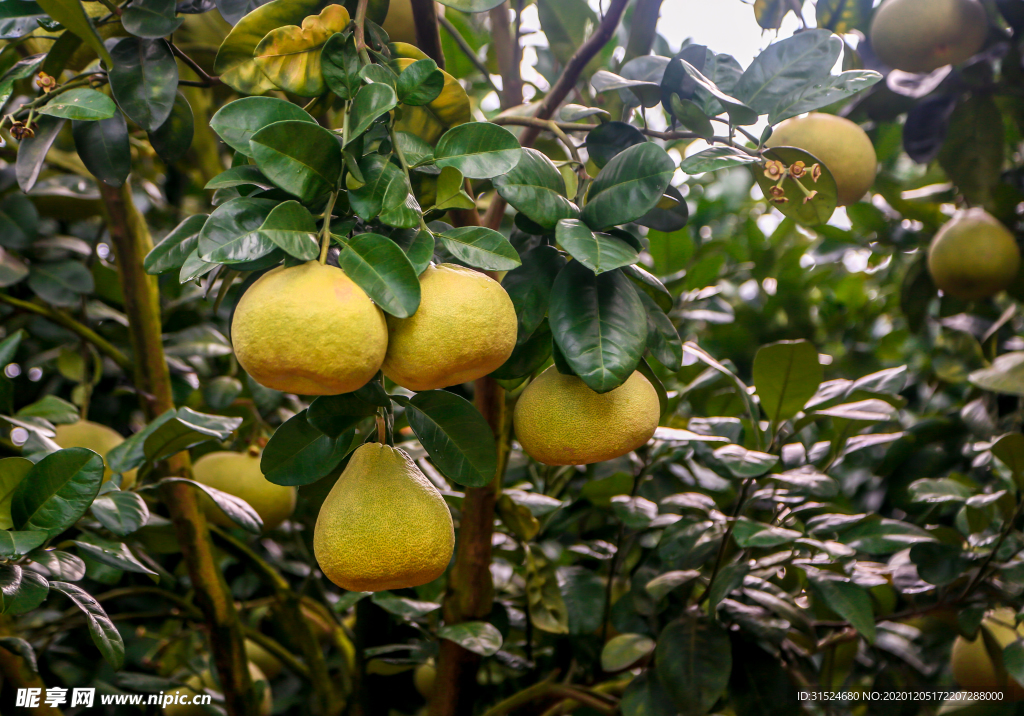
x=290 y=56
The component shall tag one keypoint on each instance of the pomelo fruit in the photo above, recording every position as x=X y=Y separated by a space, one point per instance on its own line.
x=973 y=256
x=972 y=667
x=924 y=35
x=309 y=329
x=464 y=329
x=840 y=144
x=239 y=474
x=195 y=688
x=384 y=525
x=559 y=420
x=98 y=438
x=269 y=664
x=423 y=678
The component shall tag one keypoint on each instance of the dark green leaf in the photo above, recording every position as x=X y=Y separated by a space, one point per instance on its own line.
x=937 y=563
x=745 y=463
x=242 y=175
x=291 y=227
x=849 y=601
x=104 y=148
x=230 y=234
x=420 y=83
x=144 y=80
x=80 y=103
x=798 y=203
x=120 y=558
x=418 y=247
x=61 y=283
x=662 y=338
x=340 y=64
x=32 y=151
x=303 y=159
x=481 y=248
x=173 y=249
x=536 y=188
x=480 y=150
x=611 y=139
x=787 y=66
x=236 y=509
x=786 y=375
x=171 y=141
x=102 y=630
x=694 y=659
x=598 y=252
x=299 y=454
x=599 y=324
x=629 y=186
x=151 y=18
x=237 y=121
x=385 y=187
x=479 y=637
x=972 y=154
x=21 y=648
x=72 y=15
x=16 y=544
x=828 y=91
x=335 y=414
x=57 y=491
x=186 y=429
x=645 y=696
x=455 y=435
x=529 y=286
x=709 y=160
x=383 y=271
x=370 y=102
x=403 y=606
x=120 y=512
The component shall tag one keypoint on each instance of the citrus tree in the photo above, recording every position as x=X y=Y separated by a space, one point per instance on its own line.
x=369 y=357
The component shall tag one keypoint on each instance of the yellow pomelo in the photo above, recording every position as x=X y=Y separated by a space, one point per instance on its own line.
x=923 y=35
x=400 y=25
x=423 y=678
x=973 y=256
x=972 y=667
x=840 y=144
x=195 y=688
x=267 y=662
x=239 y=474
x=464 y=328
x=98 y=438
x=384 y=525
x=560 y=421
x=309 y=329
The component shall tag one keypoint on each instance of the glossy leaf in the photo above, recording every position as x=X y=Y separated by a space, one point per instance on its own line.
x=237 y=121
x=335 y=414
x=662 y=337
x=12 y=471
x=174 y=137
x=16 y=544
x=234 y=508
x=598 y=252
x=385 y=187
x=230 y=234
x=420 y=83
x=529 y=286
x=786 y=375
x=303 y=159
x=187 y=429
x=628 y=187
x=299 y=454
x=479 y=637
x=828 y=91
x=57 y=491
x=102 y=630
x=480 y=150
x=144 y=80
x=370 y=103
x=457 y=438
x=849 y=601
x=481 y=248
x=151 y=18
x=340 y=66
x=383 y=271
x=71 y=15
x=32 y=151
x=291 y=227
x=625 y=650
x=170 y=253
x=120 y=512
x=429 y=122
x=536 y=188
x=800 y=204
x=80 y=103
x=599 y=324
x=61 y=283
x=739 y=112
x=418 y=247
x=104 y=148
x=709 y=160
x=787 y=66
x=611 y=139
x=290 y=55
x=120 y=558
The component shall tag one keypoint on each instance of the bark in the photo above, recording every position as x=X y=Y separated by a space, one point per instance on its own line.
x=428 y=31
x=131 y=240
x=506 y=48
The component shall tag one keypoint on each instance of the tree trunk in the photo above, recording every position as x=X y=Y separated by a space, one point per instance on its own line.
x=131 y=239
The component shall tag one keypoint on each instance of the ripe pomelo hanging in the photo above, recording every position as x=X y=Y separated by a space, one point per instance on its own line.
x=973 y=256
x=924 y=35
x=98 y=438
x=239 y=474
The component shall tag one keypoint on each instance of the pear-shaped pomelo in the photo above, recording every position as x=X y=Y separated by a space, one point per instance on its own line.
x=924 y=35
x=309 y=329
x=383 y=525
x=98 y=438
x=972 y=666
x=839 y=144
x=560 y=421
x=973 y=256
x=464 y=329
x=239 y=474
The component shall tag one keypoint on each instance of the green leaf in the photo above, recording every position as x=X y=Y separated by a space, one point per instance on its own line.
x=61 y=283
x=32 y=151
x=536 y=188
x=420 y=83
x=104 y=148
x=798 y=203
x=972 y=154
x=472 y=6
x=739 y=113
x=457 y=438
x=403 y=606
x=529 y=286
x=53 y=409
x=335 y=414
x=173 y=138
x=730 y=578
x=748 y=533
x=481 y=248
x=479 y=637
x=480 y=150
x=235 y=62
x=57 y=491
x=842 y=16
x=120 y=512
x=598 y=252
x=340 y=65
x=547 y=610
x=628 y=187
x=745 y=463
x=12 y=471
x=716 y=158
x=371 y=102
x=694 y=660
x=291 y=228
x=663 y=584
x=71 y=15
x=788 y=66
x=120 y=558
x=385 y=187
x=187 y=429
x=237 y=121
x=299 y=454
x=144 y=80
x=173 y=249
x=828 y=91
x=290 y=55
x=383 y=271
x=567 y=24
x=625 y=650
x=599 y=324
x=16 y=544
x=647 y=93
x=59 y=565
x=80 y=103
x=19 y=646
x=786 y=375
x=691 y=116
x=242 y=175
x=230 y=234
x=102 y=630
x=645 y=696
x=938 y=564
x=418 y=247
x=235 y=508
x=1005 y=375
x=662 y=338
x=849 y=601
x=10 y=584
x=151 y=18
x=1009 y=449
x=303 y=159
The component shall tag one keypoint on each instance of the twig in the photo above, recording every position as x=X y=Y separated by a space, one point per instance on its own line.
x=428 y=30
x=506 y=48
x=467 y=51
x=210 y=80
x=81 y=330
x=360 y=22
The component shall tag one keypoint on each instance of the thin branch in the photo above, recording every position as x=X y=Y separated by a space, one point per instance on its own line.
x=210 y=80
x=506 y=49
x=467 y=51
x=79 y=329
x=428 y=30
x=360 y=22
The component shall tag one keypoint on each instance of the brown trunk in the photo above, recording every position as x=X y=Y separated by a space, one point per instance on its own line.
x=428 y=31
x=130 y=237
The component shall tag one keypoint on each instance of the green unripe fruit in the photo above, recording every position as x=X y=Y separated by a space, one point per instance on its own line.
x=973 y=256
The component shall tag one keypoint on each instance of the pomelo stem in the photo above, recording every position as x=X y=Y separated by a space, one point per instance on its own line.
x=325 y=239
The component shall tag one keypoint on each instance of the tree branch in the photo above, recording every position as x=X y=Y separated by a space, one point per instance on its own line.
x=131 y=240
x=467 y=51
x=79 y=329
x=428 y=30
x=506 y=48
